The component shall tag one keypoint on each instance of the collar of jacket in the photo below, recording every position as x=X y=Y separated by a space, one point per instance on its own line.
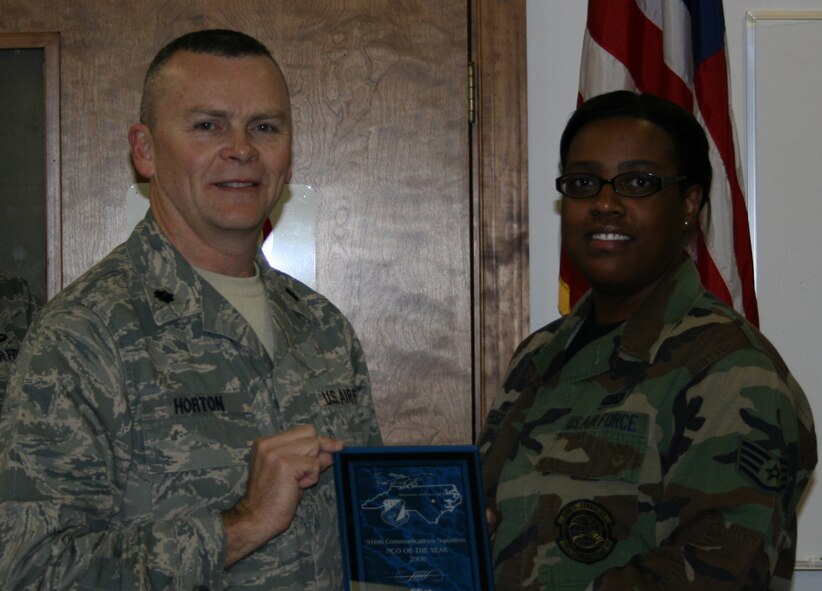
x=174 y=289
x=660 y=313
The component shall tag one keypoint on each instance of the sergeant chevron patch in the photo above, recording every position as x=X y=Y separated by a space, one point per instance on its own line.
x=757 y=464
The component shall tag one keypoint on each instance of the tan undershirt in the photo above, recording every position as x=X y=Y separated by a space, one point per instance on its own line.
x=247 y=295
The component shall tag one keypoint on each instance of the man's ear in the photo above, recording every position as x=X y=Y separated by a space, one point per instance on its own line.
x=142 y=154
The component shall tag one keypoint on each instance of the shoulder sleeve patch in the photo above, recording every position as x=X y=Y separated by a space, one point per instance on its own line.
x=766 y=471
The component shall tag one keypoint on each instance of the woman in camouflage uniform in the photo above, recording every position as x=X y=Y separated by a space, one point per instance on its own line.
x=653 y=438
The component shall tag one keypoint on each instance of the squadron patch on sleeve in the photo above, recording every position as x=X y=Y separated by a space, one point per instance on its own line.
x=585 y=531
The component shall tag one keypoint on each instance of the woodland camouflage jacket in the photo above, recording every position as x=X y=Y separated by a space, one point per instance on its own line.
x=669 y=454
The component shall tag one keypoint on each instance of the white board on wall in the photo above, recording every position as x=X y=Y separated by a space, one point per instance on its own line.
x=785 y=207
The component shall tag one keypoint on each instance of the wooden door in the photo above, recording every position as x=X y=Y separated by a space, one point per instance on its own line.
x=380 y=103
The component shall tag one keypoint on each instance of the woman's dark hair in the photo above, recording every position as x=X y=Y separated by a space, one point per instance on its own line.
x=691 y=152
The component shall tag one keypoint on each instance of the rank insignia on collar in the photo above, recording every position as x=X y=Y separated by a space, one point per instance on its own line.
x=163 y=296
x=615 y=398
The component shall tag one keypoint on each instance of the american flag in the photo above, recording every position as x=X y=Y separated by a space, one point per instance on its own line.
x=676 y=49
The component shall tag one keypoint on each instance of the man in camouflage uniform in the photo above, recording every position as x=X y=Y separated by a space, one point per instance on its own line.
x=159 y=437
x=17 y=308
x=669 y=453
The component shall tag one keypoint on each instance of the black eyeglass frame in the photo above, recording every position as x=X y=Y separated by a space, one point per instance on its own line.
x=660 y=181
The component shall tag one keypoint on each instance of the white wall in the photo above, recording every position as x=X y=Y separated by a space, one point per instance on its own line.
x=554 y=37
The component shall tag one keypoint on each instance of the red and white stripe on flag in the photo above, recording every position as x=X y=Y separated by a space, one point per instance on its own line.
x=676 y=49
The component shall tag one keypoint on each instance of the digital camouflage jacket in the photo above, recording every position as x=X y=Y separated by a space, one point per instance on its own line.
x=17 y=308
x=669 y=454
x=140 y=393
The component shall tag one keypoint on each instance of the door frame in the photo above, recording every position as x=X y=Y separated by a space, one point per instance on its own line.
x=49 y=42
x=499 y=194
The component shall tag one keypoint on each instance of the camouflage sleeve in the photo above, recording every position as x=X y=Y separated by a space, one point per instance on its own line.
x=65 y=451
x=738 y=452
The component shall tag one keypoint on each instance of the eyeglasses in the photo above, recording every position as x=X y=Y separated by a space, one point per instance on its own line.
x=580 y=185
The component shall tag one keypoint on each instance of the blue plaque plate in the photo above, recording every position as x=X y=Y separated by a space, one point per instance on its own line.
x=413 y=517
